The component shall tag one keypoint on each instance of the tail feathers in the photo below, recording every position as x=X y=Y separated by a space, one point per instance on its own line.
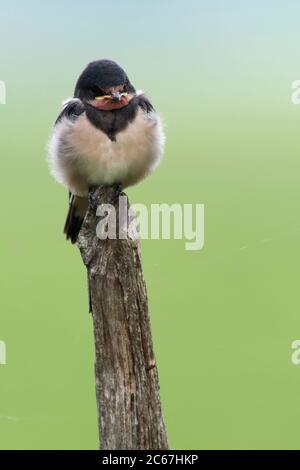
x=73 y=221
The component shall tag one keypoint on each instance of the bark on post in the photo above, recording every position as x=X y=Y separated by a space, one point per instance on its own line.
x=127 y=387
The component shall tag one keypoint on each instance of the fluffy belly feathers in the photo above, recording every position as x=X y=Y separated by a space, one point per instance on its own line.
x=80 y=155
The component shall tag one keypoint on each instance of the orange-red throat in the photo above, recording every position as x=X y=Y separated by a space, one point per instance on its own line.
x=109 y=102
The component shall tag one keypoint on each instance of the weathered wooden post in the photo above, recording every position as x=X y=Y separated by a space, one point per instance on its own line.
x=127 y=386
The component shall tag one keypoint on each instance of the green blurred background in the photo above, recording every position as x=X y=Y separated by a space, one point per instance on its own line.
x=223 y=318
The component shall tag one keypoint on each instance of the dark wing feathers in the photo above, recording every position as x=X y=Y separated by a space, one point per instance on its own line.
x=71 y=110
x=145 y=104
x=75 y=108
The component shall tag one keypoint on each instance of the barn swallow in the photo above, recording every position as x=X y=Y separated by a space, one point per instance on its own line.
x=108 y=133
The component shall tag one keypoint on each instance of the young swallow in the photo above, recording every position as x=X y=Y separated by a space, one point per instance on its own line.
x=109 y=133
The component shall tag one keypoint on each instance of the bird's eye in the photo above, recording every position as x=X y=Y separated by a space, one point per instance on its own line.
x=96 y=90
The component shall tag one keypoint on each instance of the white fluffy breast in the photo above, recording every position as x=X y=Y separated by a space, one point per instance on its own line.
x=81 y=155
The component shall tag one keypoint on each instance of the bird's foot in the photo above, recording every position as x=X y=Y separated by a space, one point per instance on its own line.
x=118 y=190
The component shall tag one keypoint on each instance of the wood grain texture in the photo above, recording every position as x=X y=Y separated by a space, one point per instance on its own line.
x=127 y=386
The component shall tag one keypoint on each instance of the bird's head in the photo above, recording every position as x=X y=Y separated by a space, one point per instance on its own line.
x=103 y=84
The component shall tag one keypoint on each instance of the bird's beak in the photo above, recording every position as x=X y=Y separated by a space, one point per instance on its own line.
x=116 y=96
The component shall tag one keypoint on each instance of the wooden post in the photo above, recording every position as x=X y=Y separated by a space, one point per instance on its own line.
x=127 y=387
